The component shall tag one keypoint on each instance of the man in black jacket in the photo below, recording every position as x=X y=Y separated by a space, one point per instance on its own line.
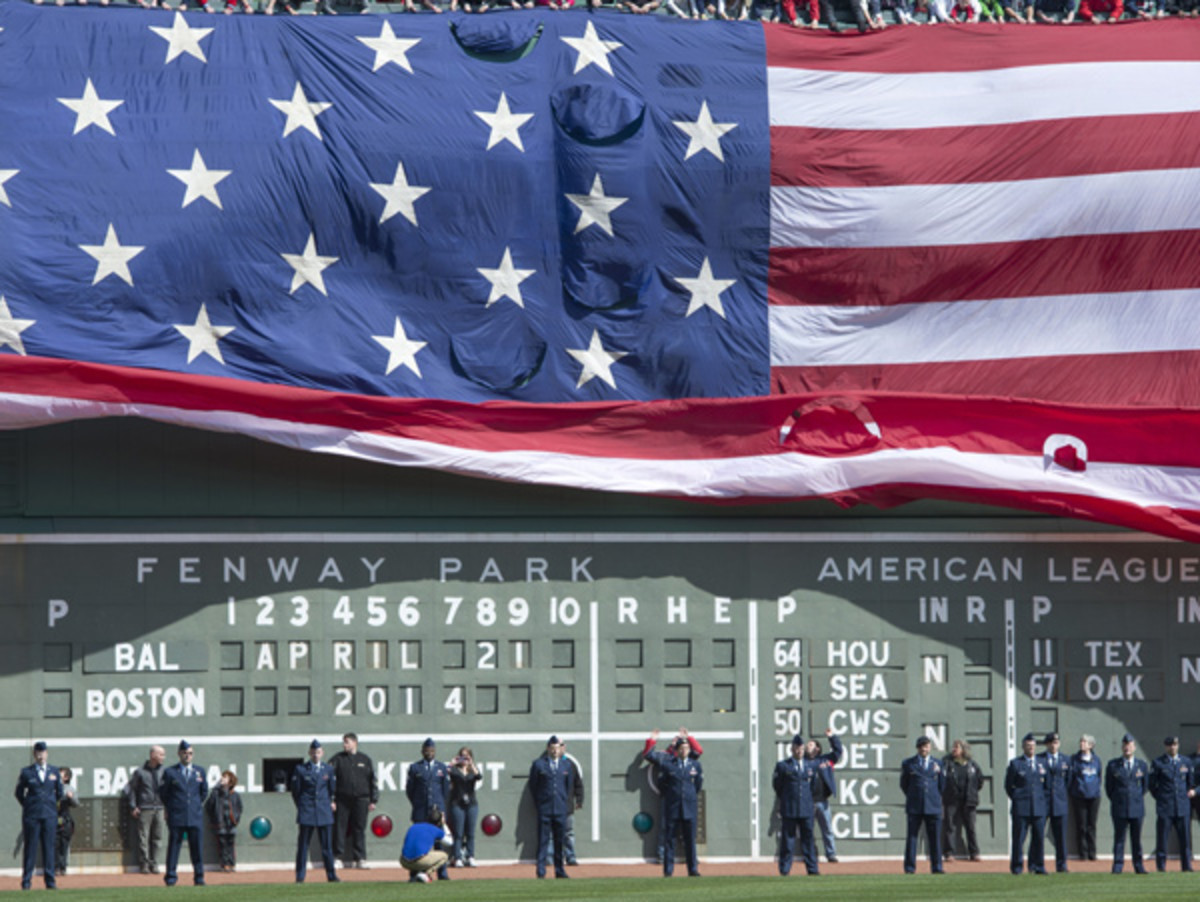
x=146 y=809
x=357 y=795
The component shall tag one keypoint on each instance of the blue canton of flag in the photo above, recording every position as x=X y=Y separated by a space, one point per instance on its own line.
x=525 y=206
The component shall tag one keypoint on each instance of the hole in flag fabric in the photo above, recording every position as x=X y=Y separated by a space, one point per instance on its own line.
x=598 y=115
x=1065 y=452
x=497 y=39
x=830 y=426
x=501 y=353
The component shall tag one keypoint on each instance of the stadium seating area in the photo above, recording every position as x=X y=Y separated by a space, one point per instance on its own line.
x=865 y=15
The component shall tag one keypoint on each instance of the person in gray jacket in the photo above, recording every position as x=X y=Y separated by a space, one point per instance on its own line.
x=146 y=808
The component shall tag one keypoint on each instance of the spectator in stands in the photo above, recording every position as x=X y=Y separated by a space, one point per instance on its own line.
x=1143 y=9
x=903 y=11
x=991 y=11
x=1020 y=11
x=1110 y=9
x=873 y=14
x=938 y=11
x=828 y=16
x=1051 y=12
x=965 y=11
x=638 y=9
x=685 y=9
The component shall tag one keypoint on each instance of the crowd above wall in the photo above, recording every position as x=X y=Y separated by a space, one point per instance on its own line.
x=867 y=15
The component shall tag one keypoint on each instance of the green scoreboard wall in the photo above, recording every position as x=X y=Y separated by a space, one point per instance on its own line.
x=249 y=632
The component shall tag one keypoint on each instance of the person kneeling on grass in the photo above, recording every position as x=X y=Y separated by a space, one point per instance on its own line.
x=422 y=855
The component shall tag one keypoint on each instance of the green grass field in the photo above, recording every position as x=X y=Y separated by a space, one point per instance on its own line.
x=1051 y=888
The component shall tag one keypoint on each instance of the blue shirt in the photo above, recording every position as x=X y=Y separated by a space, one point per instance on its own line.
x=419 y=840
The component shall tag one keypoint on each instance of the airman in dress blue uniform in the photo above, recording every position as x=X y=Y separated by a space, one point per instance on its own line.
x=183 y=790
x=313 y=788
x=428 y=783
x=428 y=787
x=39 y=788
x=1125 y=782
x=1058 y=776
x=793 y=782
x=1172 y=783
x=1025 y=786
x=680 y=779
x=922 y=779
x=552 y=783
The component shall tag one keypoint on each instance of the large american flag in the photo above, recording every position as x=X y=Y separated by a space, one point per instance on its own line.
x=712 y=260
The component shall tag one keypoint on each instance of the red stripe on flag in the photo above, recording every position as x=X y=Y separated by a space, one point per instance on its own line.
x=827 y=158
x=1126 y=379
x=908 y=275
x=1141 y=469
x=689 y=429
x=646 y=430
x=950 y=48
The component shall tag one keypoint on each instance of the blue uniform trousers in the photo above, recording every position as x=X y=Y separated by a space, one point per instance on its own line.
x=1058 y=833
x=787 y=840
x=1036 y=828
x=933 y=836
x=325 y=838
x=1134 y=825
x=1162 y=833
x=552 y=828
x=43 y=832
x=688 y=826
x=195 y=841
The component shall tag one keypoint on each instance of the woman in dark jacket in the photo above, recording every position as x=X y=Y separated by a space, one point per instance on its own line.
x=1084 y=792
x=462 y=807
x=224 y=808
x=66 y=821
x=964 y=779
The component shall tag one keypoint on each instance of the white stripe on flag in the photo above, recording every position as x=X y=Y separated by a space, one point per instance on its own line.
x=943 y=332
x=986 y=212
x=817 y=98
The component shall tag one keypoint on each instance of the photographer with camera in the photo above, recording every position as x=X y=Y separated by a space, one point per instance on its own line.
x=422 y=855
x=463 y=808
